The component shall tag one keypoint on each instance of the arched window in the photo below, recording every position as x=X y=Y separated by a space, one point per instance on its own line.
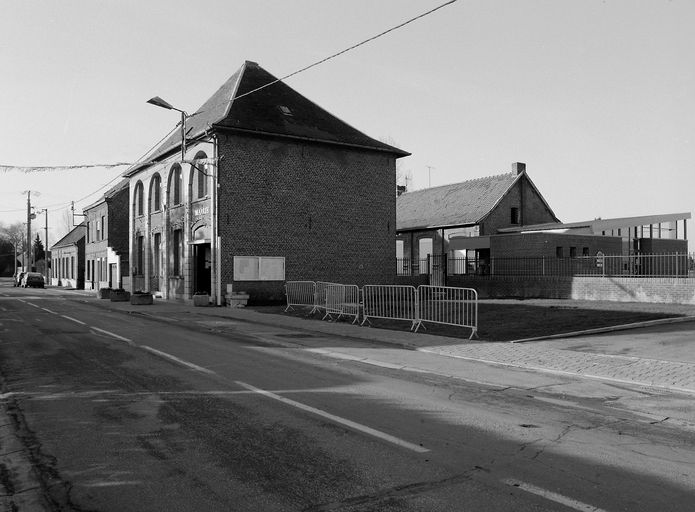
x=156 y=194
x=174 y=191
x=139 y=204
x=201 y=180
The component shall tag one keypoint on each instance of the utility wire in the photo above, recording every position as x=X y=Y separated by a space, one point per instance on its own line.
x=346 y=50
x=26 y=169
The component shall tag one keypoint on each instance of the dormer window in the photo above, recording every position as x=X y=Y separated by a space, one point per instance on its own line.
x=285 y=110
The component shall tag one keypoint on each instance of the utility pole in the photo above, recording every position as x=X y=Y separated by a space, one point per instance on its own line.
x=29 y=217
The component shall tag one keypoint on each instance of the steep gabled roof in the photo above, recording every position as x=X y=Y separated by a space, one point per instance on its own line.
x=72 y=237
x=459 y=204
x=254 y=101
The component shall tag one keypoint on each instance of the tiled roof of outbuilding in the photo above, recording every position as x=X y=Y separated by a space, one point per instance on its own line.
x=458 y=204
x=253 y=100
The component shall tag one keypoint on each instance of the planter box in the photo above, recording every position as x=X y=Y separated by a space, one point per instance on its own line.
x=201 y=301
x=104 y=293
x=237 y=300
x=141 y=299
x=120 y=296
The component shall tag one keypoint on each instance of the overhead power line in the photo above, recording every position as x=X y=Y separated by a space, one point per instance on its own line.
x=26 y=169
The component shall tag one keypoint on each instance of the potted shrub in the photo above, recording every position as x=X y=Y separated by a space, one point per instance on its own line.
x=120 y=295
x=201 y=299
x=104 y=293
x=141 y=298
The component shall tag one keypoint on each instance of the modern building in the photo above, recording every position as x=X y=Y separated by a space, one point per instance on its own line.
x=106 y=244
x=266 y=186
x=68 y=259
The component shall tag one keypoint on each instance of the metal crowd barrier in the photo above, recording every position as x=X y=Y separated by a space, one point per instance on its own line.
x=436 y=304
x=342 y=300
x=395 y=302
x=300 y=293
x=320 y=302
x=448 y=305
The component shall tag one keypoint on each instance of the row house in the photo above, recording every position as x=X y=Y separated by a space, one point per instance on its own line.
x=68 y=259
x=106 y=240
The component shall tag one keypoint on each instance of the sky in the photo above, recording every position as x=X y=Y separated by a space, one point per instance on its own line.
x=597 y=97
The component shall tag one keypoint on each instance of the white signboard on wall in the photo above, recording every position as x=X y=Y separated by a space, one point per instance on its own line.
x=259 y=268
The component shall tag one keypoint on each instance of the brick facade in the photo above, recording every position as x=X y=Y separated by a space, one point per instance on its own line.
x=106 y=240
x=328 y=210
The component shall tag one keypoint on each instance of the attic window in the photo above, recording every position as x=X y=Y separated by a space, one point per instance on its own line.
x=285 y=110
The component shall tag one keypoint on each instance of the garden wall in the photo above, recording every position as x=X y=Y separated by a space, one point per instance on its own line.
x=617 y=289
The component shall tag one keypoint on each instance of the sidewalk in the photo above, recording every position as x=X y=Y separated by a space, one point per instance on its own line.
x=677 y=373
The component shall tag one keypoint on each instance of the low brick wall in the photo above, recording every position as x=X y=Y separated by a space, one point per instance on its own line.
x=656 y=290
x=617 y=289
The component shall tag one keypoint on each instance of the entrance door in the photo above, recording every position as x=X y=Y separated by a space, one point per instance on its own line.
x=203 y=268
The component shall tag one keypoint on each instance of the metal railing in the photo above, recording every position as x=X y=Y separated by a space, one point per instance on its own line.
x=635 y=265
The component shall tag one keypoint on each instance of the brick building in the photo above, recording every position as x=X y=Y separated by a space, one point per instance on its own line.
x=459 y=229
x=459 y=220
x=106 y=240
x=270 y=188
x=68 y=259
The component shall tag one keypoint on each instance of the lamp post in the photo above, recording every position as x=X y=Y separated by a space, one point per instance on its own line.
x=28 y=223
x=215 y=285
x=159 y=102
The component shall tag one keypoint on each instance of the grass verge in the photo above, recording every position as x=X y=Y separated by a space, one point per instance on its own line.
x=507 y=320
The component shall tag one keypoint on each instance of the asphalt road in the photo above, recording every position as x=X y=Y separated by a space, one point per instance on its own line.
x=127 y=412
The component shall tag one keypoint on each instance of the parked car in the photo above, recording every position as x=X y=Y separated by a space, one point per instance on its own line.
x=18 y=278
x=33 y=279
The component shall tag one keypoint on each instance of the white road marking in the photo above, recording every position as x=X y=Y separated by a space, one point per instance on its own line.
x=177 y=360
x=337 y=419
x=49 y=311
x=33 y=305
x=559 y=498
x=73 y=319
x=114 y=336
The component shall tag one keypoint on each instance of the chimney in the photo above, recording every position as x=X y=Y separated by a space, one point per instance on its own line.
x=518 y=168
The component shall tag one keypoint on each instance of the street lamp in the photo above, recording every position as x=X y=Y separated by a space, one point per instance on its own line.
x=159 y=102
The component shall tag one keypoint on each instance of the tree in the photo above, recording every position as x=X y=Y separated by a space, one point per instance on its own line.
x=15 y=234
x=404 y=177
x=39 y=251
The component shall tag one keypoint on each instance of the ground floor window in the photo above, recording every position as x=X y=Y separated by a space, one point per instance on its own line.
x=177 y=252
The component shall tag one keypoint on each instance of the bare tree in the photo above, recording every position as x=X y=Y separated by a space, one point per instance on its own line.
x=404 y=177
x=15 y=234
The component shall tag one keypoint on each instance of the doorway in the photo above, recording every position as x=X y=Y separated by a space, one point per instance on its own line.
x=202 y=275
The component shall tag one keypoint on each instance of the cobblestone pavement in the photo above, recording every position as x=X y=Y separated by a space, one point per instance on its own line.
x=634 y=370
